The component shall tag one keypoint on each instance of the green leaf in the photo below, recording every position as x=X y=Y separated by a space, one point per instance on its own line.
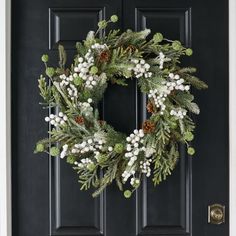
x=119 y=82
x=185 y=100
x=62 y=56
x=193 y=107
x=195 y=82
x=80 y=49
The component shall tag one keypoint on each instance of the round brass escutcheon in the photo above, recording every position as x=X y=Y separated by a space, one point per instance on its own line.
x=217 y=214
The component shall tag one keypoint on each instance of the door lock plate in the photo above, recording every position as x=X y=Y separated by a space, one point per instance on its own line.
x=216 y=214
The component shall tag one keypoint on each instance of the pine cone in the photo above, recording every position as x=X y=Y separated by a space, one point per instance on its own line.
x=131 y=48
x=150 y=107
x=104 y=56
x=79 y=120
x=148 y=127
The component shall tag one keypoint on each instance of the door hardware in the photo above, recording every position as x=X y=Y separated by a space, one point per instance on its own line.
x=216 y=214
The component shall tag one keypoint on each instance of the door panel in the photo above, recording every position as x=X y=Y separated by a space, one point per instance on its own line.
x=164 y=19
x=62 y=21
x=165 y=209
x=202 y=26
x=72 y=212
x=46 y=195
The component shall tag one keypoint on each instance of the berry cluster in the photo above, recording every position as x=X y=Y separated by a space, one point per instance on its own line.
x=86 y=107
x=132 y=150
x=94 y=145
x=141 y=68
x=149 y=151
x=64 y=151
x=84 y=163
x=176 y=83
x=159 y=99
x=65 y=80
x=134 y=181
x=99 y=47
x=82 y=69
x=179 y=113
x=92 y=81
x=133 y=146
x=56 y=120
x=84 y=64
x=127 y=173
x=145 y=167
x=72 y=92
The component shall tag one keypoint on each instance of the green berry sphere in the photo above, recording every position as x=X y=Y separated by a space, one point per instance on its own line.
x=102 y=24
x=158 y=37
x=114 y=18
x=188 y=51
x=127 y=193
x=119 y=148
x=188 y=136
x=86 y=94
x=50 y=71
x=176 y=45
x=101 y=158
x=39 y=147
x=94 y=70
x=191 y=151
x=44 y=58
x=54 y=151
x=70 y=159
x=78 y=81
x=91 y=166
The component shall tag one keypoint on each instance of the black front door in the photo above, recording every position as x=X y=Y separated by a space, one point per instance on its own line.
x=46 y=195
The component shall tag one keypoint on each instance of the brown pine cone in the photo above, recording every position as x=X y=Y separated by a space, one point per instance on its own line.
x=104 y=56
x=67 y=72
x=131 y=48
x=150 y=107
x=79 y=120
x=148 y=127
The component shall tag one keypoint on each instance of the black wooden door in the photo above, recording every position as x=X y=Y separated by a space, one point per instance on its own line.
x=46 y=195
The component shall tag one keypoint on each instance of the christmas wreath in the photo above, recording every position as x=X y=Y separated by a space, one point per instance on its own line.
x=98 y=153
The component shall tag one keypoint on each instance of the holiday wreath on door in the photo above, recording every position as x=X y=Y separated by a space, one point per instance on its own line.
x=98 y=153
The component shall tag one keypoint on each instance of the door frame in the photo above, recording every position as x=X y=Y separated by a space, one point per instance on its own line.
x=5 y=117
x=232 y=116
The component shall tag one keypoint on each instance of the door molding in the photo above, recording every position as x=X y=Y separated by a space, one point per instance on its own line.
x=232 y=115
x=5 y=117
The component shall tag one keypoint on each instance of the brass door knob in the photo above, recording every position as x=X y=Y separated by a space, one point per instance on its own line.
x=216 y=214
